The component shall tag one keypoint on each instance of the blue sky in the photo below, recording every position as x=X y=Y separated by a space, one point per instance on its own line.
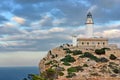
x=30 y=27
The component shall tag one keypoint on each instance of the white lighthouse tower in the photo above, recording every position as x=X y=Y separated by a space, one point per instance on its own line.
x=89 y=26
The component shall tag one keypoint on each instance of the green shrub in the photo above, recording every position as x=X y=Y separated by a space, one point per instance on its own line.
x=105 y=48
x=34 y=77
x=100 y=51
x=112 y=57
x=85 y=65
x=89 y=55
x=56 y=55
x=66 y=64
x=61 y=73
x=50 y=52
x=75 y=69
x=116 y=71
x=52 y=56
x=71 y=69
x=50 y=74
x=66 y=49
x=68 y=58
x=103 y=59
x=61 y=46
x=44 y=59
x=76 y=52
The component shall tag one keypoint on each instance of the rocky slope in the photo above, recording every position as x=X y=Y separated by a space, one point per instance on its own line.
x=70 y=63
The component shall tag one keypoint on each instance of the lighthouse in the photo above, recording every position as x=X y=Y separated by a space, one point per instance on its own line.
x=89 y=42
x=89 y=26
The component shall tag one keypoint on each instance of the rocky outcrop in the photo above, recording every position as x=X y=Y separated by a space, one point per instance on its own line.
x=70 y=63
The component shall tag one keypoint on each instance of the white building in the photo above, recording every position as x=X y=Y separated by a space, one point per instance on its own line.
x=90 y=42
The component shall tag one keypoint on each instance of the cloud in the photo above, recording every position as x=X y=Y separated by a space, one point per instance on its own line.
x=49 y=20
x=3 y=19
x=56 y=29
x=25 y=41
x=32 y=1
x=8 y=24
x=18 y=19
x=92 y=8
x=46 y=20
x=114 y=33
x=46 y=24
x=57 y=22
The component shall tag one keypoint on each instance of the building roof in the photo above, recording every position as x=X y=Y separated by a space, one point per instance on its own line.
x=92 y=39
x=89 y=15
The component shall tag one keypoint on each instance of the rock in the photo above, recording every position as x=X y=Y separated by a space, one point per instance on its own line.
x=101 y=70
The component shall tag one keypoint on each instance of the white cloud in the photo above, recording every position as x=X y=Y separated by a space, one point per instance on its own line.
x=14 y=43
x=19 y=20
x=109 y=33
x=8 y=24
x=56 y=22
x=46 y=19
x=56 y=29
x=92 y=8
x=114 y=33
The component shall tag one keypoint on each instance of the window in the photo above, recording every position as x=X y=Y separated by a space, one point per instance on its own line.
x=82 y=43
x=98 y=43
x=87 y=43
x=103 y=43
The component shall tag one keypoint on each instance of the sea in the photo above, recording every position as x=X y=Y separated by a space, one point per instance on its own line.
x=17 y=73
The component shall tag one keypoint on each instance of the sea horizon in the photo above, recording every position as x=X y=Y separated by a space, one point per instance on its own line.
x=17 y=73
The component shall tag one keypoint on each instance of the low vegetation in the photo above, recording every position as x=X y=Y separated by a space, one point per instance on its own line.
x=112 y=57
x=75 y=69
x=72 y=70
x=103 y=59
x=101 y=51
x=68 y=58
x=70 y=75
x=77 y=52
x=85 y=65
x=89 y=55
x=67 y=50
x=66 y=64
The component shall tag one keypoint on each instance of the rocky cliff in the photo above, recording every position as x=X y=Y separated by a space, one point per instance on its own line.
x=70 y=63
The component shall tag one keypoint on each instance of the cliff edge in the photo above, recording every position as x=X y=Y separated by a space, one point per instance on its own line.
x=72 y=63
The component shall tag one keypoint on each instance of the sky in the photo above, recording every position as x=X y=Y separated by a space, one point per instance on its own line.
x=29 y=28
